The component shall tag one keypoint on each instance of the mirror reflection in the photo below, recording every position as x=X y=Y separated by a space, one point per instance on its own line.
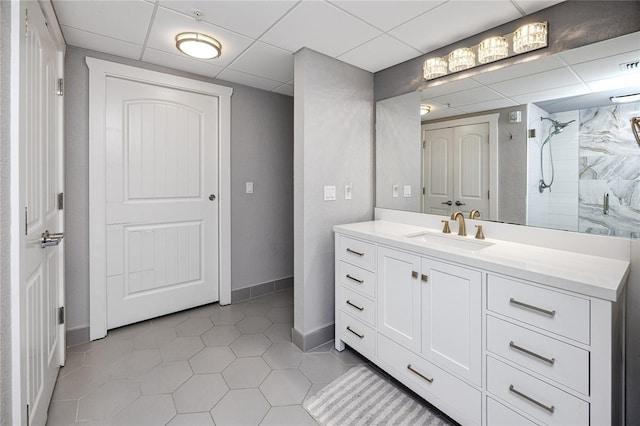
x=542 y=143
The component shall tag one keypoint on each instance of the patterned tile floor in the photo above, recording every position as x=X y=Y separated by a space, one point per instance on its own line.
x=223 y=365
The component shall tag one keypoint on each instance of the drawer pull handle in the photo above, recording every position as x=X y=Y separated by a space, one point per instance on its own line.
x=355 y=306
x=533 y=308
x=357 y=334
x=512 y=345
x=355 y=279
x=357 y=253
x=419 y=374
x=528 y=398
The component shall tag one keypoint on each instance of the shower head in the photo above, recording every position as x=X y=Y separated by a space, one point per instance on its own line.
x=557 y=126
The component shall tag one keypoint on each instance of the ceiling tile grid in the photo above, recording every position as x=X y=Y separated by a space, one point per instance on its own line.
x=259 y=37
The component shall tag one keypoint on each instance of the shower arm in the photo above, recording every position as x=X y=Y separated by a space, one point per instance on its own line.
x=635 y=128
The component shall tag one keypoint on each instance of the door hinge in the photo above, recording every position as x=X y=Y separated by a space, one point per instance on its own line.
x=26 y=215
x=61 y=315
x=423 y=191
x=61 y=201
x=488 y=195
x=60 y=91
x=424 y=144
x=28 y=414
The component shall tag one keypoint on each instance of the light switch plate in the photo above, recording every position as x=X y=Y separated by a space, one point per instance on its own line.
x=395 y=191
x=407 y=191
x=249 y=188
x=329 y=193
x=515 y=117
x=347 y=192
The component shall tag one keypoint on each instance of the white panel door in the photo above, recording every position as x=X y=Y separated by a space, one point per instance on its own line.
x=471 y=168
x=438 y=171
x=451 y=312
x=399 y=297
x=42 y=268
x=161 y=212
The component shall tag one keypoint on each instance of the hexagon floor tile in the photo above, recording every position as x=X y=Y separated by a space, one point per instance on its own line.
x=228 y=365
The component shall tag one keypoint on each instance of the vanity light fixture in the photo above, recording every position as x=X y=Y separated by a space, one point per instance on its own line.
x=625 y=98
x=425 y=109
x=526 y=38
x=198 y=45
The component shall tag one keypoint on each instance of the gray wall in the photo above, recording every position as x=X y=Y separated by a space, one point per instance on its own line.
x=5 y=216
x=261 y=152
x=571 y=24
x=333 y=145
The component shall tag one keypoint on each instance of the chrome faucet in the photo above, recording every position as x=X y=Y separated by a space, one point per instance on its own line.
x=462 y=229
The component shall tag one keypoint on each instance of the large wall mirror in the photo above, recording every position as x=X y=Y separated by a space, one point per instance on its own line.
x=538 y=143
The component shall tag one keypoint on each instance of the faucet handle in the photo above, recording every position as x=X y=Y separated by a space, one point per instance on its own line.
x=446 y=229
x=479 y=233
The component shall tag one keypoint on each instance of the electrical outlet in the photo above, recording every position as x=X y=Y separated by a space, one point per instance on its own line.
x=329 y=193
x=407 y=191
x=249 y=188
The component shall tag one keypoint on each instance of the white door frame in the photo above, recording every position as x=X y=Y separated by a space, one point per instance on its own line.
x=99 y=70
x=492 y=119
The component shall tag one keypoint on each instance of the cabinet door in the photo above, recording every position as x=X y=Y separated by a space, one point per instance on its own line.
x=451 y=318
x=399 y=297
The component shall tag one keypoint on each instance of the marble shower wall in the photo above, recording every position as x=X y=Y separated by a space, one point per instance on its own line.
x=609 y=164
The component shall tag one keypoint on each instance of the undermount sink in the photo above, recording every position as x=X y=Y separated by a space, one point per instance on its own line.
x=450 y=241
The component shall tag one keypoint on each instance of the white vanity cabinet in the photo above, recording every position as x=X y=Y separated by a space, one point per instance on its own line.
x=483 y=346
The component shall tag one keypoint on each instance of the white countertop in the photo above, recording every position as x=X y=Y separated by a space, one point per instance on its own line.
x=580 y=273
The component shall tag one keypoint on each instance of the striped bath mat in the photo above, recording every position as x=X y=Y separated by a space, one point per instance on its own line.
x=361 y=397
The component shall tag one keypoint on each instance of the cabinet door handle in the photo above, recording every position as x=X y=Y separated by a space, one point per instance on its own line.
x=417 y=373
x=357 y=334
x=512 y=345
x=425 y=278
x=355 y=306
x=354 y=279
x=533 y=401
x=414 y=274
x=357 y=253
x=533 y=308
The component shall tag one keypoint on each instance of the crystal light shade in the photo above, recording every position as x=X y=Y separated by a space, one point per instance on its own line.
x=198 y=45
x=461 y=59
x=492 y=49
x=434 y=67
x=529 y=37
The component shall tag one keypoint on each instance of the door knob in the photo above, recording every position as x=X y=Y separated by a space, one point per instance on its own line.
x=448 y=203
x=458 y=203
x=212 y=197
x=49 y=240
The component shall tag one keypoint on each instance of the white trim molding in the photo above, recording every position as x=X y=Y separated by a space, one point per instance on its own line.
x=492 y=119
x=99 y=70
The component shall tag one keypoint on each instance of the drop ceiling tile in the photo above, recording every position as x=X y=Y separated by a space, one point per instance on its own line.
x=448 y=88
x=536 y=82
x=631 y=81
x=454 y=20
x=87 y=40
x=488 y=105
x=379 y=53
x=251 y=18
x=248 y=79
x=530 y=6
x=600 y=69
x=266 y=61
x=99 y=17
x=181 y=62
x=467 y=97
x=167 y=24
x=439 y=111
x=285 y=89
x=556 y=93
x=386 y=15
x=613 y=46
x=321 y=27
x=545 y=63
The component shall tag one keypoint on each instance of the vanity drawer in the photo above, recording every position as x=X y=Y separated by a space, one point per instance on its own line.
x=443 y=390
x=500 y=415
x=357 y=305
x=539 y=399
x=556 y=360
x=358 y=252
x=358 y=335
x=357 y=279
x=550 y=310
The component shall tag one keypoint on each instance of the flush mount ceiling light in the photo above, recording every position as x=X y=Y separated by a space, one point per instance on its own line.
x=525 y=39
x=625 y=98
x=425 y=109
x=198 y=45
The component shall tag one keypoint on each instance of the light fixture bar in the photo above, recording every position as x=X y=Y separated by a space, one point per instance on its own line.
x=525 y=39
